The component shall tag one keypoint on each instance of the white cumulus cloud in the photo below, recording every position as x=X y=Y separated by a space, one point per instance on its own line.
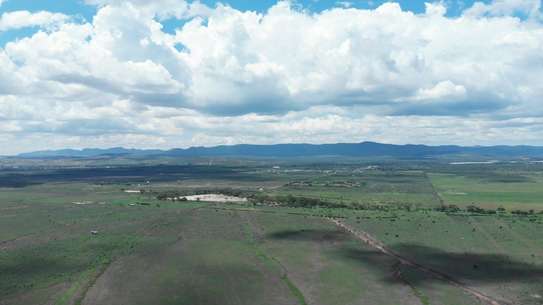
x=530 y=8
x=231 y=76
x=446 y=89
x=21 y=19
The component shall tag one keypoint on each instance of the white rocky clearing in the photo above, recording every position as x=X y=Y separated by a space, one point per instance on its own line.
x=215 y=198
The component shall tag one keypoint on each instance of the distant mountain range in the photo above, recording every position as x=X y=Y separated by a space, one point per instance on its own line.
x=364 y=149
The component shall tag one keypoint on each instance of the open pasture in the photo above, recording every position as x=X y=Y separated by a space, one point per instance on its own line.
x=372 y=186
x=518 y=191
x=89 y=242
x=499 y=255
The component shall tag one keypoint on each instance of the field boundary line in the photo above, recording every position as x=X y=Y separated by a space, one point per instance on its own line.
x=254 y=238
x=375 y=243
x=417 y=293
x=434 y=191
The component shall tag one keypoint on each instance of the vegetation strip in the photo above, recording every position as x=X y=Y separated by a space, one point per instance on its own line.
x=264 y=211
x=434 y=191
x=296 y=292
x=422 y=298
x=100 y=270
x=373 y=242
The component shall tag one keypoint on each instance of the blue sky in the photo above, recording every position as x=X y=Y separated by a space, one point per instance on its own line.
x=396 y=72
x=68 y=7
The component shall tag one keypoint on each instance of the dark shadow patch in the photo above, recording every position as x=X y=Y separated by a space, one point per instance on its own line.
x=16 y=183
x=22 y=272
x=128 y=174
x=182 y=275
x=310 y=235
x=463 y=267
x=23 y=269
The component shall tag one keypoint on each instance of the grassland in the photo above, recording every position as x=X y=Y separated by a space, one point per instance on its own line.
x=148 y=251
x=500 y=255
x=372 y=186
x=526 y=192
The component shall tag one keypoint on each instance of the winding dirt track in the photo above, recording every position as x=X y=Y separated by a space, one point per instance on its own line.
x=373 y=242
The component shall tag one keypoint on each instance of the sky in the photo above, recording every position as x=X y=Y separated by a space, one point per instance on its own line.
x=176 y=73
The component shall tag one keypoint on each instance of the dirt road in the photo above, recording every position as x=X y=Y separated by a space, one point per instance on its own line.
x=375 y=243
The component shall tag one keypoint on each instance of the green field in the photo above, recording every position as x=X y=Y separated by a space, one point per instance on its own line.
x=367 y=187
x=150 y=251
x=464 y=190
x=499 y=255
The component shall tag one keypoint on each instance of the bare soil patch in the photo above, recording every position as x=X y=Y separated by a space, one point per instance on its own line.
x=215 y=198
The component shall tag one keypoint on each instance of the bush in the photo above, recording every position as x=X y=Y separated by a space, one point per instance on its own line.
x=478 y=210
x=448 y=208
x=519 y=212
x=295 y=201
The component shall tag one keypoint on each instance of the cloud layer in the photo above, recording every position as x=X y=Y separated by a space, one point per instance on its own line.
x=21 y=19
x=227 y=76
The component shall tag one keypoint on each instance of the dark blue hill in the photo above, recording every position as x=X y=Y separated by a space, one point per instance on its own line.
x=364 y=149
